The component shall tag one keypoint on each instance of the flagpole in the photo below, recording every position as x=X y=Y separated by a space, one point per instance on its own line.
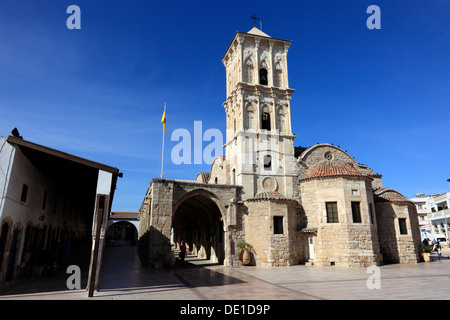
x=164 y=133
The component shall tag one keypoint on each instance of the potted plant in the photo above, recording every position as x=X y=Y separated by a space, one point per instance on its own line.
x=426 y=252
x=246 y=257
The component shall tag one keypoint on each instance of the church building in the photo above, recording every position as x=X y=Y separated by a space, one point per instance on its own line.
x=289 y=205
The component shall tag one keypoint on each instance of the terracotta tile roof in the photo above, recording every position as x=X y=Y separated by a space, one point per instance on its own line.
x=388 y=194
x=329 y=169
x=309 y=230
x=268 y=195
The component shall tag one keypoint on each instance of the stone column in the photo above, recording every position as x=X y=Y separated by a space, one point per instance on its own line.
x=159 y=252
x=271 y=69
x=286 y=78
x=240 y=51
x=257 y=41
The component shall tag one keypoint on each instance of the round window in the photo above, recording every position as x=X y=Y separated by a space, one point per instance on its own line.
x=328 y=155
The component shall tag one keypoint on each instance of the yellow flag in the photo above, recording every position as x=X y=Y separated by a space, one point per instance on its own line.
x=163 y=120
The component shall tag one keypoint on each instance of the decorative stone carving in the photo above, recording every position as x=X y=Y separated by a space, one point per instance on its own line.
x=269 y=184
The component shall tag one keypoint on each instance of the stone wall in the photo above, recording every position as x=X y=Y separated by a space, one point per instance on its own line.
x=220 y=172
x=270 y=249
x=344 y=243
x=316 y=153
x=394 y=246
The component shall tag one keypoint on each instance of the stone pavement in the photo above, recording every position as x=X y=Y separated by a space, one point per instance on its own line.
x=124 y=278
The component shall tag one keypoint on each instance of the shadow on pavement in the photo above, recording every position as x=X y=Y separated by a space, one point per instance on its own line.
x=53 y=281
x=122 y=269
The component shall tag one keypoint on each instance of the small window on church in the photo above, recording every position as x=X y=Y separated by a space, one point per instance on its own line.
x=267 y=162
x=265 y=121
x=278 y=225
x=402 y=225
x=356 y=212
x=23 y=196
x=332 y=212
x=263 y=77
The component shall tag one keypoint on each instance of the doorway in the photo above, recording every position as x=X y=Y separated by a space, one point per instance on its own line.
x=311 y=249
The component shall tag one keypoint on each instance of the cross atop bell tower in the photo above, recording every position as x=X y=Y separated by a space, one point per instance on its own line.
x=255 y=18
x=259 y=139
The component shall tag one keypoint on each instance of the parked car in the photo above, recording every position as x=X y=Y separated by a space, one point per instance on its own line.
x=442 y=240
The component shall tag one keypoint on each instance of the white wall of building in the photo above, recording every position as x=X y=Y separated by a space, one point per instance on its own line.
x=439 y=216
x=59 y=210
x=6 y=159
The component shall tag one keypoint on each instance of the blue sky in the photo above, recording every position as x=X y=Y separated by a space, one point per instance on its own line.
x=98 y=93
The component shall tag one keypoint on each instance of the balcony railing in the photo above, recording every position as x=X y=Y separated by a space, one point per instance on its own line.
x=439 y=214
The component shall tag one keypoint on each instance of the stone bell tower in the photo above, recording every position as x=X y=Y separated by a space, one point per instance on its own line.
x=259 y=140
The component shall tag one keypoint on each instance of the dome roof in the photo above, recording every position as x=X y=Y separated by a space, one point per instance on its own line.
x=331 y=168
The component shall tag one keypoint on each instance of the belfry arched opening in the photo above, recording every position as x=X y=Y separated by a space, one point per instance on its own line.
x=198 y=221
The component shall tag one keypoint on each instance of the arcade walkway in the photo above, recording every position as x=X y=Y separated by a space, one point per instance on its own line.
x=123 y=277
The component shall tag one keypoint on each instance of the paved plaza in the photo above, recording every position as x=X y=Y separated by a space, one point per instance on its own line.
x=124 y=278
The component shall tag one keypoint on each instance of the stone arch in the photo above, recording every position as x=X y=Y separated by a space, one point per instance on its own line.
x=309 y=152
x=324 y=151
x=263 y=73
x=249 y=116
x=13 y=261
x=248 y=70
x=200 y=192
x=278 y=75
x=198 y=218
x=264 y=64
x=121 y=232
x=5 y=231
x=266 y=117
x=278 y=71
x=217 y=171
x=170 y=202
